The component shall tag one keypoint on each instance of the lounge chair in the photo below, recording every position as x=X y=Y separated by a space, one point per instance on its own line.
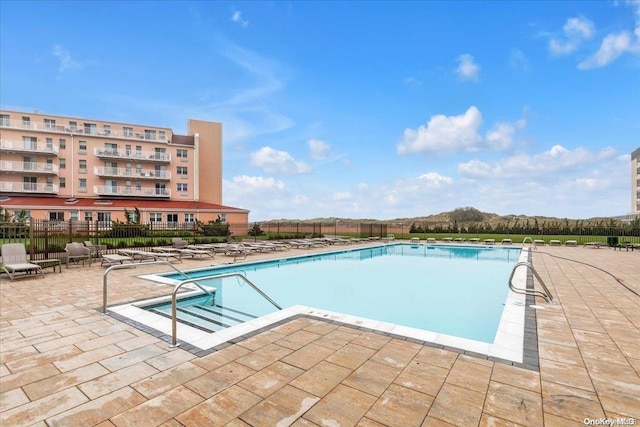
x=96 y=250
x=571 y=243
x=14 y=260
x=474 y=240
x=506 y=241
x=431 y=240
x=146 y=255
x=179 y=243
x=114 y=259
x=489 y=241
x=77 y=252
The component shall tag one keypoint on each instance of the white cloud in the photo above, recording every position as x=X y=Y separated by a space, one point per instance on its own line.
x=412 y=81
x=276 y=161
x=467 y=69
x=341 y=195
x=518 y=60
x=237 y=18
x=319 y=149
x=612 y=47
x=456 y=134
x=444 y=134
x=576 y=30
x=65 y=59
x=245 y=184
x=554 y=162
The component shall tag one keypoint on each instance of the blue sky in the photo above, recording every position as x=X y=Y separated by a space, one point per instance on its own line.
x=358 y=109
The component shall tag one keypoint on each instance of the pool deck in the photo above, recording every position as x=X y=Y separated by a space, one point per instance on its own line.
x=62 y=363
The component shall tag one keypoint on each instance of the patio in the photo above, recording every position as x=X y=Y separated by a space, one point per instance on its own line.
x=65 y=364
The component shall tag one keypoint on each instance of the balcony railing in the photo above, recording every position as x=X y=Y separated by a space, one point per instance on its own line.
x=28 y=187
x=124 y=191
x=28 y=146
x=47 y=127
x=144 y=156
x=131 y=173
x=30 y=167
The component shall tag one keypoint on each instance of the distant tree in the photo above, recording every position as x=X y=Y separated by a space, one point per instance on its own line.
x=467 y=214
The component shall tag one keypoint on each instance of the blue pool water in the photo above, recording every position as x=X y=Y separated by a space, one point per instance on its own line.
x=457 y=291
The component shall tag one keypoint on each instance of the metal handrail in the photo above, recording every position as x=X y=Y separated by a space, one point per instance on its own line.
x=533 y=243
x=174 y=310
x=122 y=266
x=546 y=294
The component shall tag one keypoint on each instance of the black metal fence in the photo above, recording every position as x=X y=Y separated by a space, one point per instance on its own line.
x=46 y=239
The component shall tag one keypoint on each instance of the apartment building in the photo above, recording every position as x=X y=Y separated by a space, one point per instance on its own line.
x=62 y=168
x=635 y=181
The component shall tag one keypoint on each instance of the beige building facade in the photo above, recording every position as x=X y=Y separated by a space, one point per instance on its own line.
x=635 y=181
x=62 y=168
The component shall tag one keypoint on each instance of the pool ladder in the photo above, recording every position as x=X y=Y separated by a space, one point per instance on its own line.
x=174 y=294
x=545 y=293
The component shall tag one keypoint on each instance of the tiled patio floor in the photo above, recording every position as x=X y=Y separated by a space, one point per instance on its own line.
x=65 y=364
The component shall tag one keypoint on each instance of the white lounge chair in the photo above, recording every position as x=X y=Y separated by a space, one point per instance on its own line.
x=14 y=260
x=77 y=252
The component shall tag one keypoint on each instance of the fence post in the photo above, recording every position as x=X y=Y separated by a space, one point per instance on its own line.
x=31 y=238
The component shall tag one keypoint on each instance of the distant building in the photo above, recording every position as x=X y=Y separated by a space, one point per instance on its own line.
x=635 y=181
x=60 y=168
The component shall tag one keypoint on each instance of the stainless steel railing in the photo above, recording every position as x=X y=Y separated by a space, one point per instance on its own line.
x=123 y=266
x=546 y=294
x=174 y=297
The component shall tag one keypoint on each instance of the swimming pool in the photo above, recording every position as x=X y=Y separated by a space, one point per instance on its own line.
x=445 y=260
x=457 y=291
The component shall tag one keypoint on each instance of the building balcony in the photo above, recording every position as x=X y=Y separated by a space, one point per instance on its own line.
x=28 y=187
x=46 y=127
x=16 y=146
x=137 y=156
x=132 y=174
x=124 y=191
x=28 y=167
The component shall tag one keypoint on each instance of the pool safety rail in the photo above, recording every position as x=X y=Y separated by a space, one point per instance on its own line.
x=174 y=298
x=174 y=294
x=105 y=277
x=545 y=293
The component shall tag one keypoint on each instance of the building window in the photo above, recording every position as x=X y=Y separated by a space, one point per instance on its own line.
x=172 y=217
x=182 y=186
x=182 y=170
x=181 y=154
x=56 y=216
x=4 y=120
x=104 y=219
x=150 y=135
x=63 y=182
x=63 y=143
x=110 y=148
x=106 y=129
x=223 y=217
x=88 y=216
x=83 y=183
x=63 y=163
x=127 y=131
x=188 y=217
x=26 y=121
x=82 y=166
x=127 y=150
x=82 y=146
x=29 y=143
x=73 y=126
x=49 y=144
x=49 y=124
x=162 y=136
x=155 y=217
x=22 y=215
x=90 y=129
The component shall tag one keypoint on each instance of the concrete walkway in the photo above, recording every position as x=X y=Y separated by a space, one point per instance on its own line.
x=62 y=363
